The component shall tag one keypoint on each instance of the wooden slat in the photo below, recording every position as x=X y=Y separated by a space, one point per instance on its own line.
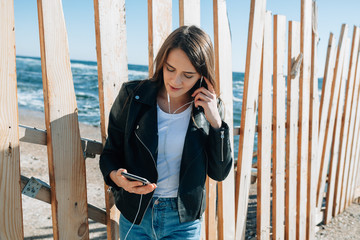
x=303 y=144
x=326 y=94
x=278 y=151
x=210 y=213
x=66 y=163
x=328 y=88
x=248 y=113
x=346 y=128
x=11 y=226
x=264 y=135
x=223 y=71
x=159 y=27
x=39 y=136
x=330 y=122
x=44 y=195
x=355 y=140
x=110 y=29
x=292 y=131
x=189 y=12
x=339 y=122
x=313 y=132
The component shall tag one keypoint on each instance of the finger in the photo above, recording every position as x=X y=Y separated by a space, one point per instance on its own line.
x=204 y=91
x=144 y=189
x=210 y=86
x=201 y=97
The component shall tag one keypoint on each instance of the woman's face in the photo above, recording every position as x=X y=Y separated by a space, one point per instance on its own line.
x=179 y=74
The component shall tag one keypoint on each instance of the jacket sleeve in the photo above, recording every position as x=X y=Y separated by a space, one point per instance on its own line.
x=113 y=152
x=218 y=149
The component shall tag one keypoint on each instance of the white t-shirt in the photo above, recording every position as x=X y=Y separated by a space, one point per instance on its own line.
x=172 y=130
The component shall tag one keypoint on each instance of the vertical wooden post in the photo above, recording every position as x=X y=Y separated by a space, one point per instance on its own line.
x=353 y=131
x=329 y=131
x=223 y=71
x=339 y=122
x=346 y=134
x=11 y=226
x=66 y=162
x=189 y=12
x=278 y=156
x=313 y=131
x=303 y=144
x=264 y=135
x=159 y=27
x=110 y=29
x=248 y=113
x=294 y=61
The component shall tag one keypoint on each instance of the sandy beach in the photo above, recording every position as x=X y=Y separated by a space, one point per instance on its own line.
x=37 y=214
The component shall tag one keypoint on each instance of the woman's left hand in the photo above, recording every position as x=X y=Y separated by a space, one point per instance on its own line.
x=206 y=98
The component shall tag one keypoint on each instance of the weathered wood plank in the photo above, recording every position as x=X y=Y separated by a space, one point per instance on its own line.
x=303 y=144
x=292 y=130
x=210 y=212
x=337 y=136
x=278 y=151
x=68 y=197
x=189 y=12
x=313 y=132
x=159 y=27
x=264 y=135
x=223 y=71
x=328 y=90
x=326 y=94
x=330 y=122
x=346 y=128
x=11 y=226
x=39 y=136
x=248 y=113
x=355 y=140
x=44 y=195
x=111 y=49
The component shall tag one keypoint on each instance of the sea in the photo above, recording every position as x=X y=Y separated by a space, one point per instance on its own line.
x=30 y=89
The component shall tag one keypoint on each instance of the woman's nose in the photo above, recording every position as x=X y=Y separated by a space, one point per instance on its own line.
x=178 y=79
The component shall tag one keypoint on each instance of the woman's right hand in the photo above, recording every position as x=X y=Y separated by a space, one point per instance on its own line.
x=130 y=186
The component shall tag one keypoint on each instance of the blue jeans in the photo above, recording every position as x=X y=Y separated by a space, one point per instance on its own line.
x=161 y=221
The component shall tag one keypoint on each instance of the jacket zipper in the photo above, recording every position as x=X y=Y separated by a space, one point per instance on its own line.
x=152 y=194
x=222 y=145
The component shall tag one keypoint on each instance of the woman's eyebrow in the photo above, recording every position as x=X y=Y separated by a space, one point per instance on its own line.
x=184 y=72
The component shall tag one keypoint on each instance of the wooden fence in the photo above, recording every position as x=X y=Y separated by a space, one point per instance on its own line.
x=308 y=147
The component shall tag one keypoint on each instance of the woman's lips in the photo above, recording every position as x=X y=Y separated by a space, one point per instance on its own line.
x=173 y=88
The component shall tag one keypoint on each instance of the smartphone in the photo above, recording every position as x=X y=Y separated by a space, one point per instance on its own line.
x=135 y=178
x=200 y=83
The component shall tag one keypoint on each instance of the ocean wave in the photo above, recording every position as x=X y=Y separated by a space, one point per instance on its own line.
x=83 y=66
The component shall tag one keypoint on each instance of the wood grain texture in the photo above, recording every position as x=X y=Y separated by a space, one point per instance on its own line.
x=44 y=195
x=325 y=103
x=313 y=132
x=66 y=161
x=248 y=113
x=159 y=27
x=223 y=62
x=11 y=222
x=292 y=131
x=189 y=12
x=304 y=107
x=279 y=107
x=337 y=135
x=347 y=130
x=264 y=135
x=330 y=122
x=111 y=49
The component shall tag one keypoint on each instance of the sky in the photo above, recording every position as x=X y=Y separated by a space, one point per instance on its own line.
x=79 y=18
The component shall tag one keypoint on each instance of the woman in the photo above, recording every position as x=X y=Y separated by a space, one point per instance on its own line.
x=168 y=130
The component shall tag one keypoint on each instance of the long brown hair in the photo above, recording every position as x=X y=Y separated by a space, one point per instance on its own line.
x=197 y=46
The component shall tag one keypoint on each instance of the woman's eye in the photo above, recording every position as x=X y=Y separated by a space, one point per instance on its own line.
x=188 y=76
x=170 y=69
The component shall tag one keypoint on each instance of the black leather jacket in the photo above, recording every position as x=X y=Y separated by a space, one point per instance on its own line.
x=132 y=144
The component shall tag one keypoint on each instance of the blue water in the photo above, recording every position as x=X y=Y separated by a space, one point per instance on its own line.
x=30 y=91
